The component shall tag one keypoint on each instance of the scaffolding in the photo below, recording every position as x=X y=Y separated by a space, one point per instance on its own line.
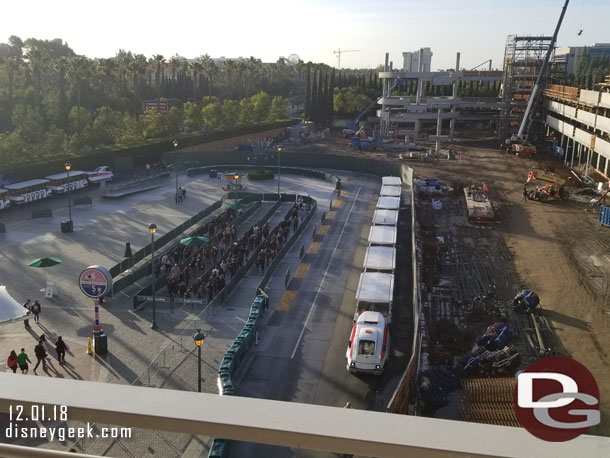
x=523 y=58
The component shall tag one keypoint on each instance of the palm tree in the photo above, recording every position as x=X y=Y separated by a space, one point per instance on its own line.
x=197 y=69
x=158 y=60
x=210 y=70
x=79 y=71
x=137 y=68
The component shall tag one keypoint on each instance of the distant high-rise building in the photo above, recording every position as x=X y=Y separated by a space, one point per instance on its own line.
x=567 y=59
x=411 y=60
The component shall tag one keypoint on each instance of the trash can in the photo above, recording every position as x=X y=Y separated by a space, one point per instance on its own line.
x=100 y=343
x=67 y=226
x=213 y=173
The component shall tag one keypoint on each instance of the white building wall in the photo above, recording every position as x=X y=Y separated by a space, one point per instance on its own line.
x=605 y=100
x=586 y=118
x=603 y=124
x=590 y=97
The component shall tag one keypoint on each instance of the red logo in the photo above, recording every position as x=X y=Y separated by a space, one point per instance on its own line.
x=557 y=399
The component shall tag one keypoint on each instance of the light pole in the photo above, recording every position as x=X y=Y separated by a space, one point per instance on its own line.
x=68 y=167
x=279 y=150
x=175 y=143
x=152 y=228
x=198 y=337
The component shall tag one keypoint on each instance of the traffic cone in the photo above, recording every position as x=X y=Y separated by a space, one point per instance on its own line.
x=89 y=346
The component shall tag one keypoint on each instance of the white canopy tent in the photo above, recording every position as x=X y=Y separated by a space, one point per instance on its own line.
x=380 y=258
x=390 y=191
x=385 y=217
x=375 y=287
x=391 y=181
x=389 y=203
x=10 y=309
x=382 y=235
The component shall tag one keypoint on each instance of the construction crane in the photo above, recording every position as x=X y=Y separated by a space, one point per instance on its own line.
x=482 y=63
x=338 y=53
x=522 y=135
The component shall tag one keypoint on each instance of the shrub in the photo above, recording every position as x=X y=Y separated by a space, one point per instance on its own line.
x=260 y=175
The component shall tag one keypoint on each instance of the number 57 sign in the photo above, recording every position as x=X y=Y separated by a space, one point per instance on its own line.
x=95 y=281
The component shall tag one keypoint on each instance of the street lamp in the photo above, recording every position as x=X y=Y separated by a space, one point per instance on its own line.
x=68 y=167
x=198 y=337
x=152 y=228
x=279 y=150
x=175 y=143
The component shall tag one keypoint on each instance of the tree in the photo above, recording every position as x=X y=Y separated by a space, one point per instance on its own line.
x=212 y=115
x=28 y=123
x=230 y=113
x=106 y=126
x=155 y=124
x=131 y=131
x=79 y=119
x=262 y=105
x=192 y=117
x=279 y=109
x=246 y=112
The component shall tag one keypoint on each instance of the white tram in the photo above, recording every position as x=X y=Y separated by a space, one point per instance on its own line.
x=61 y=182
x=28 y=191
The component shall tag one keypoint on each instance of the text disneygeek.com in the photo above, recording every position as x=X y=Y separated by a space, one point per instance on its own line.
x=61 y=433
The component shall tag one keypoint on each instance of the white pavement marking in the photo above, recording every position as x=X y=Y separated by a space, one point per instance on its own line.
x=313 y=305
x=240 y=319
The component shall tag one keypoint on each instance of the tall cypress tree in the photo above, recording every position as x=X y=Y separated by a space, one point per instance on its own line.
x=308 y=92
x=331 y=97
x=320 y=104
x=314 y=97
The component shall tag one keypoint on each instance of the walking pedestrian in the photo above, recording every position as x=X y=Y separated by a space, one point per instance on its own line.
x=23 y=361
x=41 y=355
x=12 y=362
x=28 y=307
x=524 y=196
x=60 y=347
x=183 y=193
x=36 y=309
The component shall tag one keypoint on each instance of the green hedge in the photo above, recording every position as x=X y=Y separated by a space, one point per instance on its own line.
x=260 y=175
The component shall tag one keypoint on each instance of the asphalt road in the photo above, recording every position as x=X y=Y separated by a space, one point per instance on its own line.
x=301 y=353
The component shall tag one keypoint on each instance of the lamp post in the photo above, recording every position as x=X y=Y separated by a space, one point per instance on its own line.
x=198 y=337
x=279 y=150
x=68 y=167
x=175 y=143
x=152 y=228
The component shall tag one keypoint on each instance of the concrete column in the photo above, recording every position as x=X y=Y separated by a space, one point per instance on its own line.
x=598 y=158
x=416 y=127
x=573 y=151
x=452 y=124
x=386 y=68
x=421 y=60
x=457 y=69
x=439 y=124
x=419 y=91
x=565 y=152
x=579 y=154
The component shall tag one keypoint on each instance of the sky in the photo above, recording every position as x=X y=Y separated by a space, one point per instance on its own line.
x=312 y=29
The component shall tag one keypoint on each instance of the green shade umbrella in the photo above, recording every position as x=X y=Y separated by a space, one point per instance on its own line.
x=44 y=262
x=194 y=241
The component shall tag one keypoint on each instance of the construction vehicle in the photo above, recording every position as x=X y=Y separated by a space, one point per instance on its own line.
x=522 y=150
x=521 y=137
x=352 y=128
x=555 y=187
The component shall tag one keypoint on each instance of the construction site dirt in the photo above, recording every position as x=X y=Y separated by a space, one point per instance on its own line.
x=471 y=273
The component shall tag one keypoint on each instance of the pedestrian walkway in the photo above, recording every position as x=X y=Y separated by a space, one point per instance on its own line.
x=79 y=365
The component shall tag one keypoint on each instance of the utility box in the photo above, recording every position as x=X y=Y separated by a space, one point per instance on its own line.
x=604 y=216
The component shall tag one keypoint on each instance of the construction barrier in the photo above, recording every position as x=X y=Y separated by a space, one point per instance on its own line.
x=82 y=200
x=42 y=213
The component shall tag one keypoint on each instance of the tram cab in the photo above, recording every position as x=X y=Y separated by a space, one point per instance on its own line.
x=368 y=346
